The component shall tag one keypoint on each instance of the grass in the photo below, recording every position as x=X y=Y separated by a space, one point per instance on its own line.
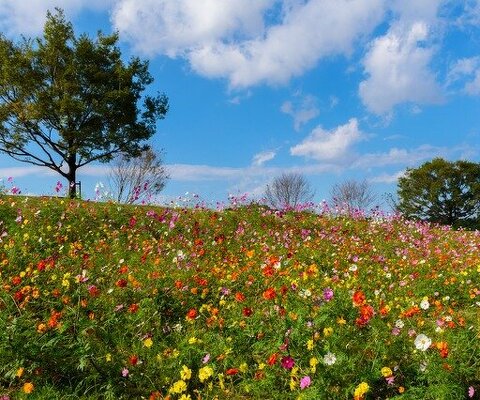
x=101 y=301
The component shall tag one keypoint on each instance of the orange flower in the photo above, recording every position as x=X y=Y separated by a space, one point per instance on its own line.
x=232 y=371
x=272 y=360
x=28 y=387
x=239 y=296
x=192 y=314
x=442 y=348
x=269 y=294
x=358 y=298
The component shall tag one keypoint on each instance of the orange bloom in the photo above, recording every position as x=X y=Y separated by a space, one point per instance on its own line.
x=239 y=296
x=358 y=298
x=28 y=387
x=232 y=371
x=272 y=360
x=269 y=294
x=442 y=348
x=192 y=314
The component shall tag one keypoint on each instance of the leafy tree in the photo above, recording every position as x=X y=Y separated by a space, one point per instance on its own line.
x=67 y=101
x=443 y=192
x=288 y=190
x=136 y=179
x=354 y=195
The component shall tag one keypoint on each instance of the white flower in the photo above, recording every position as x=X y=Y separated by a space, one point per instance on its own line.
x=422 y=342
x=424 y=304
x=399 y=323
x=329 y=359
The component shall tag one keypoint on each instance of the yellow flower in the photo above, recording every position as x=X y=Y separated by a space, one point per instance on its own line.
x=386 y=372
x=148 y=342
x=243 y=367
x=360 y=390
x=310 y=344
x=185 y=397
x=327 y=331
x=193 y=340
x=185 y=373
x=19 y=372
x=341 y=321
x=293 y=384
x=178 y=387
x=28 y=387
x=108 y=357
x=205 y=373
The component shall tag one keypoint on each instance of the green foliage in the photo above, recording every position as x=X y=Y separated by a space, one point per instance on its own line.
x=443 y=192
x=66 y=101
x=99 y=300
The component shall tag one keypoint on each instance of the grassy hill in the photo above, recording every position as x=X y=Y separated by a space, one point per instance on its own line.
x=101 y=301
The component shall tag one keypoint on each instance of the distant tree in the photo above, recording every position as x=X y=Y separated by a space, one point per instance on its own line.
x=288 y=190
x=354 y=195
x=443 y=192
x=137 y=179
x=67 y=101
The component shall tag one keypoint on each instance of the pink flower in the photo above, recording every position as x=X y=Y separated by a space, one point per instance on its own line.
x=305 y=382
x=471 y=391
x=327 y=294
x=288 y=362
x=125 y=372
x=206 y=358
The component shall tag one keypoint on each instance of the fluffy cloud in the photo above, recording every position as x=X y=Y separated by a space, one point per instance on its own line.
x=302 y=109
x=330 y=146
x=467 y=71
x=397 y=66
x=28 y=17
x=262 y=157
x=233 y=40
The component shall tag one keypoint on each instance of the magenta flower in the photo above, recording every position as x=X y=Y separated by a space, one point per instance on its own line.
x=305 y=382
x=288 y=362
x=327 y=294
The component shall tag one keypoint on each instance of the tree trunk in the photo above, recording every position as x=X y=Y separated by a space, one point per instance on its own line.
x=72 y=175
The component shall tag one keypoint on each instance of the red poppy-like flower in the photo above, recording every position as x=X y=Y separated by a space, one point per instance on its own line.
x=133 y=308
x=247 y=311
x=272 y=360
x=121 y=283
x=133 y=359
x=192 y=314
x=269 y=294
x=232 y=371
x=93 y=291
x=239 y=296
x=358 y=298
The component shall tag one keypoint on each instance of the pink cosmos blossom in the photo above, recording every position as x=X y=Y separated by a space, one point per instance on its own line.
x=305 y=382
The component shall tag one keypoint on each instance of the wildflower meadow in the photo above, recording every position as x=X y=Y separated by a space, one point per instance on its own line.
x=104 y=301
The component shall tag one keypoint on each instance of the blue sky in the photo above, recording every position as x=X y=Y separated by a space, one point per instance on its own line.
x=332 y=89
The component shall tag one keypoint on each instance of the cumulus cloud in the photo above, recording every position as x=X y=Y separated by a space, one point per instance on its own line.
x=232 y=40
x=330 y=146
x=303 y=108
x=262 y=157
x=387 y=178
x=28 y=17
x=397 y=65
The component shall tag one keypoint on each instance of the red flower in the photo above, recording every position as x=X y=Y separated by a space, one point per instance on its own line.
x=269 y=294
x=133 y=359
x=121 y=283
x=133 y=308
x=358 y=298
x=93 y=291
x=192 y=314
x=288 y=362
x=239 y=296
x=231 y=371
x=247 y=311
x=272 y=360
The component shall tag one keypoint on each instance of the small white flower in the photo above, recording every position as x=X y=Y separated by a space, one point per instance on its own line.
x=304 y=293
x=329 y=359
x=424 y=304
x=399 y=323
x=422 y=342
x=353 y=267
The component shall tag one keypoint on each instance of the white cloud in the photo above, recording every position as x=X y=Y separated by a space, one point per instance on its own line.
x=232 y=39
x=467 y=72
x=387 y=178
x=20 y=172
x=262 y=157
x=28 y=17
x=303 y=108
x=397 y=65
x=331 y=146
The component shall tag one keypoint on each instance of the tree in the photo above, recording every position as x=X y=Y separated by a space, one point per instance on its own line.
x=288 y=191
x=443 y=192
x=67 y=101
x=354 y=195
x=136 y=179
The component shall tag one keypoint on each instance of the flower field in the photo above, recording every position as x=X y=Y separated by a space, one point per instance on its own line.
x=101 y=301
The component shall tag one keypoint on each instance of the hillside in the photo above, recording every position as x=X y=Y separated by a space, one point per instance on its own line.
x=107 y=301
